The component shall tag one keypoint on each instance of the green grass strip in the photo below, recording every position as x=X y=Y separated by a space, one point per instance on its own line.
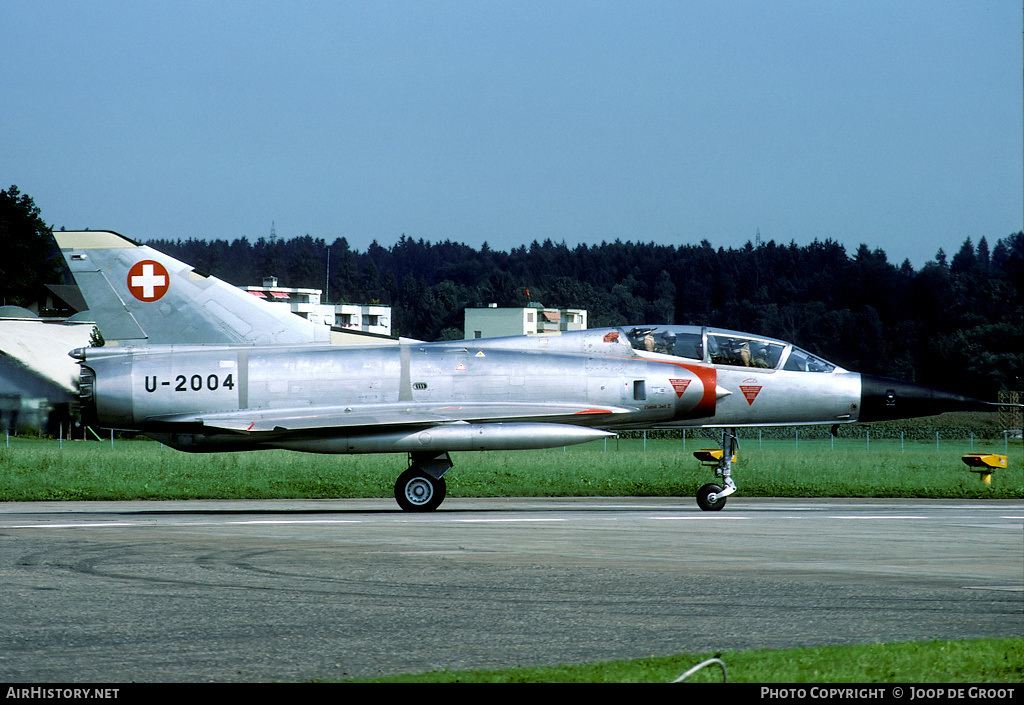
x=978 y=661
x=32 y=469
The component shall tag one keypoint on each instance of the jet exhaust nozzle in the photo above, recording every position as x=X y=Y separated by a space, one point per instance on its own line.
x=884 y=399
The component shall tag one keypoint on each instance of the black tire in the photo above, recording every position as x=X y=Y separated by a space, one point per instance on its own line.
x=416 y=491
x=704 y=500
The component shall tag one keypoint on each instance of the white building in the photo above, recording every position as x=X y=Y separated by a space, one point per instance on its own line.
x=493 y=322
x=365 y=318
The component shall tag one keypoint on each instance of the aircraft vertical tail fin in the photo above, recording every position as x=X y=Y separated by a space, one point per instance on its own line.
x=141 y=296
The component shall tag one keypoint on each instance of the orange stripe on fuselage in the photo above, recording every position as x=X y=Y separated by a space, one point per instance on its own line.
x=708 y=376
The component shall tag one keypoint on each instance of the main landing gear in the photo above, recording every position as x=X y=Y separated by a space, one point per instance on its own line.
x=422 y=488
x=711 y=497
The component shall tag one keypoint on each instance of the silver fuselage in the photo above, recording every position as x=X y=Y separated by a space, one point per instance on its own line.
x=377 y=399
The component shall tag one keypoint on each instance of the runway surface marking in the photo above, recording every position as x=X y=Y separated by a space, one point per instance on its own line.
x=435 y=519
x=271 y=522
x=516 y=520
x=875 y=517
x=698 y=517
x=122 y=524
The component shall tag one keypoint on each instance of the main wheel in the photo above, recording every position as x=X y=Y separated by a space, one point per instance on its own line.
x=708 y=499
x=416 y=491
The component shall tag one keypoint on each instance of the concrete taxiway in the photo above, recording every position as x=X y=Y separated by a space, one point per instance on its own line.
x=300 y=590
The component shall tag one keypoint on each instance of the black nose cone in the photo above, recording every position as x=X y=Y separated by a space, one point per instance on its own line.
x=883 y=399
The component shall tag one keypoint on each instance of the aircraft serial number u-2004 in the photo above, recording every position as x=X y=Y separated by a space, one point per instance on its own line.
x=194 y=383
x=204 y=368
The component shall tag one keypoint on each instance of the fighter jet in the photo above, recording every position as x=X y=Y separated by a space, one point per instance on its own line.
x=428 y=400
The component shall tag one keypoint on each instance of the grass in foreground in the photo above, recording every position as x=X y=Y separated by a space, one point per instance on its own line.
x=980 y=661
x=33 y=470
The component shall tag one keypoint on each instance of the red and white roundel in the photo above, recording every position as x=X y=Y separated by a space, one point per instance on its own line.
x=148 y=280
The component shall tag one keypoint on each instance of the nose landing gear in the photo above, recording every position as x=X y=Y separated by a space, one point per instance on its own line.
x=711 y=497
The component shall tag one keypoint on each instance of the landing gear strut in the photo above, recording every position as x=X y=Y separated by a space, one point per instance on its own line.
x=422 y=488
x=711 y=497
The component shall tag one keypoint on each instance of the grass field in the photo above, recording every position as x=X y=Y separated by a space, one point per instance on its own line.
x=34 y=469
x=981 y=661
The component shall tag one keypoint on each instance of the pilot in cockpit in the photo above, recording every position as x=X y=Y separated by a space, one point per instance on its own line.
x=743 y=357
x=742 y=352
x=761 y=357
x=649 y=341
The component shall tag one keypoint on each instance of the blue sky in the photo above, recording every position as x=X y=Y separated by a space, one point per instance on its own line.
x=895 y=124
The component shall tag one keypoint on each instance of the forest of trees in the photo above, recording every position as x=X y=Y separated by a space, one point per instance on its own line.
x=956 y=323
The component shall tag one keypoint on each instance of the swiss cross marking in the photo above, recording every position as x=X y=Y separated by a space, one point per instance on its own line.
x=148 y=280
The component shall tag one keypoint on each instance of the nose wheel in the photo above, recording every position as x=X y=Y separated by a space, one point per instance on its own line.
x=711 y=497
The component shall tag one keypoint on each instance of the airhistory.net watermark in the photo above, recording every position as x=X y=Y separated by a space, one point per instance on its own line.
x=38 y=693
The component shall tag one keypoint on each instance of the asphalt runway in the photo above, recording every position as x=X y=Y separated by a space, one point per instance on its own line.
x=244 y=591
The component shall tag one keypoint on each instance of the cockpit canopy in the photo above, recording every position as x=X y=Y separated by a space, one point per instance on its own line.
x=724 y=347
